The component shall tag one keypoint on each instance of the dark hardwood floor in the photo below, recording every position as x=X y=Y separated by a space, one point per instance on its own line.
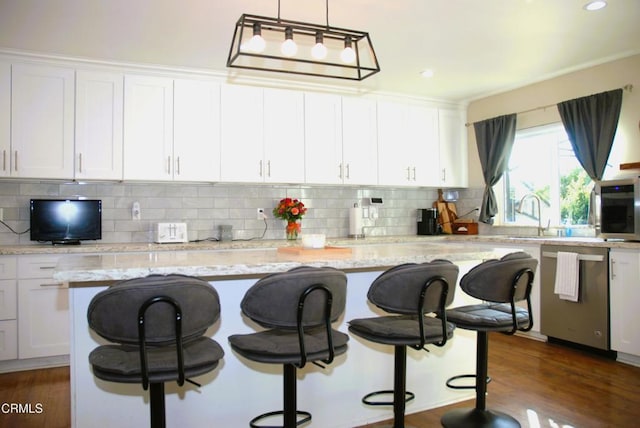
x=540 y=384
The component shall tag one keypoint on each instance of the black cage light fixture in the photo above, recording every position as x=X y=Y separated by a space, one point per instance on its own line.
x=279 y=45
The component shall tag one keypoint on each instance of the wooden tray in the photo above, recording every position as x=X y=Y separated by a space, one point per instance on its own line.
x=301 y=251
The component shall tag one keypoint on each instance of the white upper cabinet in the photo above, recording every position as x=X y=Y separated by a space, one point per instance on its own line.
x=196 y=131
x=148 y=128
x=99 y=135
x=283 y=136
x=359 y=141
x=408 y=149
x=262 y=135
x=42 y=117
x=323 y=138
x=454 y=162
x=241 y=140
x=5 y=118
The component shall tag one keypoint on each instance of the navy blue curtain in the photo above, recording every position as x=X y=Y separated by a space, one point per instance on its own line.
x=494 y=138
x=591 y=124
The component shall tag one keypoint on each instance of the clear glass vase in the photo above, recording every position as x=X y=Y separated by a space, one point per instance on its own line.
x=292 y=230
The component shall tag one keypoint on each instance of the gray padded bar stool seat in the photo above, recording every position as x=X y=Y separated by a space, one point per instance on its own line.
x=410 y=291
x=157 y=325
x=500 y=283
x=297 y=308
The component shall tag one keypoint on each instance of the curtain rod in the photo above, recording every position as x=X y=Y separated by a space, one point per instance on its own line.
x=628 y=87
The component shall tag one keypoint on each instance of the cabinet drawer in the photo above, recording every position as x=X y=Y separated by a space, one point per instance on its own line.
x=8 y=267
x=8 y=340
x=37 y=266
x=8 y=301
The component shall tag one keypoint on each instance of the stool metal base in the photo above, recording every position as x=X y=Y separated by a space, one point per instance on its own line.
x=301 y=418
x=476 y=418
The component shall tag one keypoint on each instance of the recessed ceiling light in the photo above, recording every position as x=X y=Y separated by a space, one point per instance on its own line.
x=595 y=5
x=427 y=73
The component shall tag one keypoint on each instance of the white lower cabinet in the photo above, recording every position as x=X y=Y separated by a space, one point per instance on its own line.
x=43 y=309
x=624 y=294
x=8 y=309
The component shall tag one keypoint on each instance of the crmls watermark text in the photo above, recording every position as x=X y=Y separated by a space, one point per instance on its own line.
x=21 y=408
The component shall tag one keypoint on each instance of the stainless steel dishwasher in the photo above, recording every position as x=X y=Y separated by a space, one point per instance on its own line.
x=585 y=322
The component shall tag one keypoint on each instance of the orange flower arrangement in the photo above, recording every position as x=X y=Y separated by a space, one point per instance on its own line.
x=289 y=209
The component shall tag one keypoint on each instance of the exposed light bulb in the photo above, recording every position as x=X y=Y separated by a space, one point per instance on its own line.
x=289 y=47
x=319 y=50
x=256 y=44
x=348 y=55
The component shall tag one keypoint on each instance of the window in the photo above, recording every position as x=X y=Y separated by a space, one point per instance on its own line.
x=543 y=164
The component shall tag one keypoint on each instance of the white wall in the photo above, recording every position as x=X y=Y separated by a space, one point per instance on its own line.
x=600 y=78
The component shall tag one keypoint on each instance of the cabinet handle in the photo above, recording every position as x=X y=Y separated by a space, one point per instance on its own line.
x=80 y=162
x=340 y=171
x=260 y=169
x=408 y=173
x=613 y=275
x=268 y=168
x=15 y=164
x=46 y=267
x=348 y=171
x=169 y=165
x=444 y=174
x=414 y=173
x=52 y=284
x=4 y=160
x=178 y=165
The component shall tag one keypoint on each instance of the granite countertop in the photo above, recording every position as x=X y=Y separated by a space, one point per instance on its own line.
x=102 y=248
x=256 y=262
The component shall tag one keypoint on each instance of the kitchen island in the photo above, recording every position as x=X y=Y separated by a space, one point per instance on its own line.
x=240 y=389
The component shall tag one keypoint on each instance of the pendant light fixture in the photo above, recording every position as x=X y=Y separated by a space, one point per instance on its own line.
x=285 y=46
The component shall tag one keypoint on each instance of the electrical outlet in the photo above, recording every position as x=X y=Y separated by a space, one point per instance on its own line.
x=135 y=211
x=260 y=215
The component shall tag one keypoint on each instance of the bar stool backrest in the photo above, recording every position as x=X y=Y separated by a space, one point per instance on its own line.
x=113 y=313
x=398 y=289
x=273 y=301
x=492 y=280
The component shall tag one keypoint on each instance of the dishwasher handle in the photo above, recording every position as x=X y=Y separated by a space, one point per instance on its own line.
x=581 y=257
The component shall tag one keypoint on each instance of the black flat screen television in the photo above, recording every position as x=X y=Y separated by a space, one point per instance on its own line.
x=65 y=221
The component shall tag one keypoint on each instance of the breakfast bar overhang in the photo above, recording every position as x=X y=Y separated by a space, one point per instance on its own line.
x=240 y=389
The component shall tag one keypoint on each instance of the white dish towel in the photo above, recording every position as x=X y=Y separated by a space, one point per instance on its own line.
x=567 y=276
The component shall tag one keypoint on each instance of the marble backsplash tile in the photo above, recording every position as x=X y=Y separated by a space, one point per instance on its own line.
x=204 y=207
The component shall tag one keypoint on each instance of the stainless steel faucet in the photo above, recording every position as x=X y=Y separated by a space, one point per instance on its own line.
x=534 y=196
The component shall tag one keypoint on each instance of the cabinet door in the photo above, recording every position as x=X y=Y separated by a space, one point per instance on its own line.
x=283 y=136
x=454 y=163
x=148 y=128
x=359 y=141
x=196 y=131
x=42 y=105
x=394 y=150
x=5 y=118
x=323 y=138
x=99 y=106
x=241 y=142
x=624 y=292
x=43 y=318
x=8 y=299
x=424 y=150
x=8 y=340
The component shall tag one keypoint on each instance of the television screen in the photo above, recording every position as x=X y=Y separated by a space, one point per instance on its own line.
x=65 y=221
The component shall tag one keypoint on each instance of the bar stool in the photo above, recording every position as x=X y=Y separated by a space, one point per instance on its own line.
x=500 y=284
x=297 y=307
x=412 y=291
x=156 y=324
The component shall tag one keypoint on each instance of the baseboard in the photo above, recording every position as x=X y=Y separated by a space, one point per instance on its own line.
x=633 y=360
x=34 y=363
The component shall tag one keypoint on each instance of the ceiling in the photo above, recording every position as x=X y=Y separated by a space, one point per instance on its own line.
x=475 y=48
